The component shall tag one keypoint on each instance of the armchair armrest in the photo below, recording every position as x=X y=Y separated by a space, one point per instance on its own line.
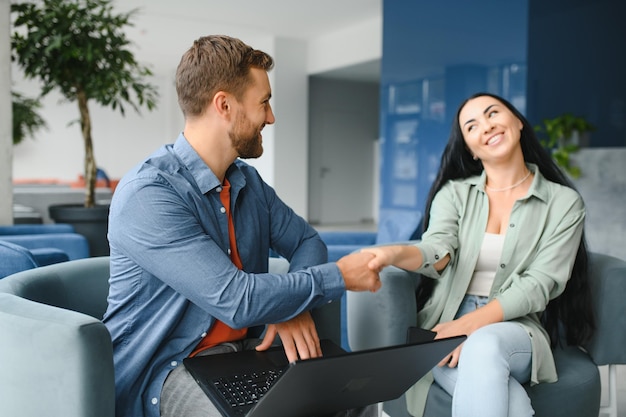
x=15 y=258
x=67 y=353
x=607 y=276
x=382 y=318
x=49 y=256
x=36 y=229
x=74 y=245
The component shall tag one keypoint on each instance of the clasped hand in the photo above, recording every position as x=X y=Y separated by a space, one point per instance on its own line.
x=357 y=274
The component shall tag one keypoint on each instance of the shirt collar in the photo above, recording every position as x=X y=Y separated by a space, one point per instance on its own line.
x=200 y=171
x=539 y=187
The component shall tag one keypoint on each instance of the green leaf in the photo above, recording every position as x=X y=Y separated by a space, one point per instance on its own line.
x=26 y=119
x=80 y=49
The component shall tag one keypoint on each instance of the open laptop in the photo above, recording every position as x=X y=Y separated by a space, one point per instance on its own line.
x=315 y=387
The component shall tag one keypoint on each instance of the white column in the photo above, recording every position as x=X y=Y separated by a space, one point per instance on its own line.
x=290 y=105
x=6 y=136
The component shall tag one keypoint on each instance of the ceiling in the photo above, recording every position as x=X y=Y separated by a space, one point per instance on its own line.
x=283 y=18
x=289 y=18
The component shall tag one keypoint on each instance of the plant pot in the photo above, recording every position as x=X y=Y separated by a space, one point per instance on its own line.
x=92 y=222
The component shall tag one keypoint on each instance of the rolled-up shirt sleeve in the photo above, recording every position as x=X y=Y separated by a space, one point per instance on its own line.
x=441 y=238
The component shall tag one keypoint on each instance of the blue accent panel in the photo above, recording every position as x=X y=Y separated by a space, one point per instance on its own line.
x=576 y=63
x=434 y=56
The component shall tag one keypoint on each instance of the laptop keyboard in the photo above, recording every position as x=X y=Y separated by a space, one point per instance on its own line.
x=247 y=389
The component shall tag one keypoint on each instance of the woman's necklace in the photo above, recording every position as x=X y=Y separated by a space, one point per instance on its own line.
x=510 y=187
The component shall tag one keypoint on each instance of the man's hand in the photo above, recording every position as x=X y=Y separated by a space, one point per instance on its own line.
x=356 y=273
x=299 y=337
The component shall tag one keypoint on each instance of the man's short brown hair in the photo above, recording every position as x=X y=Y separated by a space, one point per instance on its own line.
x=215 y=63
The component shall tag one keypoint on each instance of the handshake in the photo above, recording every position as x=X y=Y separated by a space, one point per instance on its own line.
x=357 y=272
x=360 y=270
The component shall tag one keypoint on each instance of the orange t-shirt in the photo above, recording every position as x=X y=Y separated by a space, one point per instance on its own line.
x=221 y=332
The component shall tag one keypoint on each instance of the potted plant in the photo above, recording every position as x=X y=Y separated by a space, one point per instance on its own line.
x=563 y=136
x=26 y=118
x=79 y=48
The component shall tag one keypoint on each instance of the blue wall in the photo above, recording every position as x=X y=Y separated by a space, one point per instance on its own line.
x=577 y=63
x=546 y=57
x=435 y=54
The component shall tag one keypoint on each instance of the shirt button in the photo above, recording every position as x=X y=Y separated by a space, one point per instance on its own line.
x=154 y=401
x=174 y=364
x=203 y=335
x=426 y=265
x=512 y=225
x=229 y=251
x=223 y=209
x=436 y=256
x=218 y=189
x=502 y=266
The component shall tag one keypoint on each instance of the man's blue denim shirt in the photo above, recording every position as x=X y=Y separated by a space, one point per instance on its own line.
x=171 y=275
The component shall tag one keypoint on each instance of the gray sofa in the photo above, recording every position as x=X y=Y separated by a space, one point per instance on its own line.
x=382 y=319
x=56 y=356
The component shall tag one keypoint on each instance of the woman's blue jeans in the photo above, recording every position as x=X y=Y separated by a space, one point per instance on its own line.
x=495 y=361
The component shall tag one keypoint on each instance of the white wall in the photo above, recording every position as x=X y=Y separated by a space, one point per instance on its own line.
x=602 y=185
x=160 y=40
x=362 y=42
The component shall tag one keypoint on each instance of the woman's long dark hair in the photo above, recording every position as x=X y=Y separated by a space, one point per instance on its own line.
x=572 y=309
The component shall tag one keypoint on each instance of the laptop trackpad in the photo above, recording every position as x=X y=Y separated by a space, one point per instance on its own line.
x=277 y=357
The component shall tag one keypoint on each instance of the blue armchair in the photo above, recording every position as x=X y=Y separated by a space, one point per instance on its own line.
x=15 y=258
x=49 y=239
x=56 y=355
x=382 y=319
x=26 y=246
x=36 y=229
x=74 y=245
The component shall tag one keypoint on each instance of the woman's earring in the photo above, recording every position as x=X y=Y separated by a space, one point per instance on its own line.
x=474 y=157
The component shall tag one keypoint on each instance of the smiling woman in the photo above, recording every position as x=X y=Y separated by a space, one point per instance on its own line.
x=507 y=262
x=492 y=134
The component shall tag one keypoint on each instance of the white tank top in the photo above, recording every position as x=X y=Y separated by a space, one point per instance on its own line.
x=487 y=265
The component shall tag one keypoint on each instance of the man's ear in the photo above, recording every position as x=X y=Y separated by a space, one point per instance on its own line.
x=221 y=103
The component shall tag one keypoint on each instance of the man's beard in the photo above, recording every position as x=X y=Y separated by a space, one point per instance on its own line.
x=246 y=139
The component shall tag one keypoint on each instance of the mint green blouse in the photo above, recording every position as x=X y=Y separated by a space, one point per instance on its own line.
x=542 y=238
